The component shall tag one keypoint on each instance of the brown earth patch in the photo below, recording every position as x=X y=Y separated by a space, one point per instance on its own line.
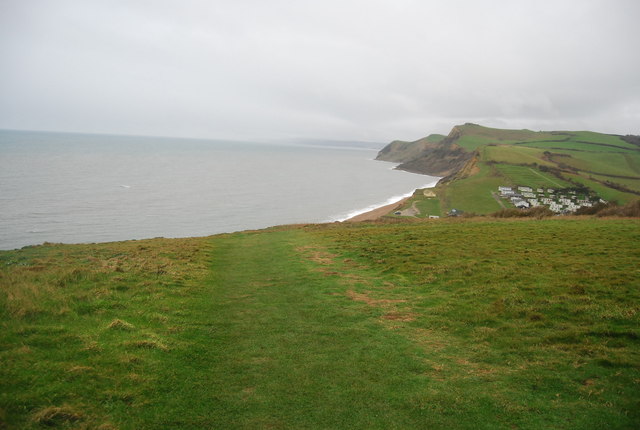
x=425 y=337
x=364 y=297
x=398 y=316
x=351 y=279
x=316 y=255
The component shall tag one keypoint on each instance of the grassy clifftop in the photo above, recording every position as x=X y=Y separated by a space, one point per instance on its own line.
x=435 y=325
x=607 y=165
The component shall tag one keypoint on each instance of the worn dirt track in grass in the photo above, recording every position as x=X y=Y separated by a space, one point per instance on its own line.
x=299 y=353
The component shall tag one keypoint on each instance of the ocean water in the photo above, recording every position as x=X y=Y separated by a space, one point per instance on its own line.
x=72 y=188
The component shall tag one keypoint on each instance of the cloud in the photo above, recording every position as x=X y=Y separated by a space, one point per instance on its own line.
x=374 y=70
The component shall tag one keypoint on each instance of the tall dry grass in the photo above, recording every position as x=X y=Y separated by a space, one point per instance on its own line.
x=40 y=278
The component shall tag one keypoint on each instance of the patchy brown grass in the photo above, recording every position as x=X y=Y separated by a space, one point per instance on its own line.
x=317 y=255
x=148 y=344
x=36 y=277
x=365 y=297
x=56 y=415
x=400 y=316
x=118 y=324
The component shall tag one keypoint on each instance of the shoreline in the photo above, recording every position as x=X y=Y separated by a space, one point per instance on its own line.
x=375 y=212
x=379 y=212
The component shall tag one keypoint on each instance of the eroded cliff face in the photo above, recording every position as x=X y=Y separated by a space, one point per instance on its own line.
x=401 y=152
x=429 y=156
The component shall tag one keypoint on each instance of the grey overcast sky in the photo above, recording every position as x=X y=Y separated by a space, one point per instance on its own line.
x=334 y=69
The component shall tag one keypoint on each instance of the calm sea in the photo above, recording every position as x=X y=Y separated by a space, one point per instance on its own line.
x=70 y=188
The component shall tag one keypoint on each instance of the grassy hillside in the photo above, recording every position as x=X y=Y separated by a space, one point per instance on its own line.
x=607 y=165
x=480 y=324
x=473 y=136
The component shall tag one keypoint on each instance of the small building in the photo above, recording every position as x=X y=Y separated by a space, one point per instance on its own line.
x=555 y=207
x=519 y=203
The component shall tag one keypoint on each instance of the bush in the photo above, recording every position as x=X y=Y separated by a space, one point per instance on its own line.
x=540 y=212
x=585 y=210
x=535 y=212
x=508 y=213
x=631 y=209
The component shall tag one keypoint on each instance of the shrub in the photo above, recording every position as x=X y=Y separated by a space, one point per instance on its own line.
x=508 y=213
x=585 y=210
x=535 y=212
x=631 y=209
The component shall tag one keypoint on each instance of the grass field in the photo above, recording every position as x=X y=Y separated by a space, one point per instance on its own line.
x=523 y=175
x=474 y=136
x=433 y=324
x=618 y=146
x=429 y=206
x=612 y=163
x=472 y=194
x=426 y=203
x=603 y=191
x=512 y=154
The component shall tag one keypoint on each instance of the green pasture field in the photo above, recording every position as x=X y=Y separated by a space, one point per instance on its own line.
x=593 y=137
x=512 y=154
x=473 y=193
x=445 y=324
x=425 y=205
x=523 y=175
x=429 y=206
x=474 y=136
x=434 y=138
x=633 y=184
x=613 y=163
x=620 y=146
x=471 y=143
x=602 y=190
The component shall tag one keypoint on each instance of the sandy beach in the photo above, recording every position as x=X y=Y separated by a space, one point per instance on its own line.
x=378 y=212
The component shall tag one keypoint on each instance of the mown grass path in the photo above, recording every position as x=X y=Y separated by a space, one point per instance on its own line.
x=284 y=348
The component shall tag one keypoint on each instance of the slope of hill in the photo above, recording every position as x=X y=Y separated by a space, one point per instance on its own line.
x=475 y=160
x=430 y=325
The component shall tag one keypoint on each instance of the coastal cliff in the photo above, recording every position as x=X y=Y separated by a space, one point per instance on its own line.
x=434 y=155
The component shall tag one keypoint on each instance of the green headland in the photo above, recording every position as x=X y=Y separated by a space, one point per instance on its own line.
x=402 y=323
x=476 y=160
